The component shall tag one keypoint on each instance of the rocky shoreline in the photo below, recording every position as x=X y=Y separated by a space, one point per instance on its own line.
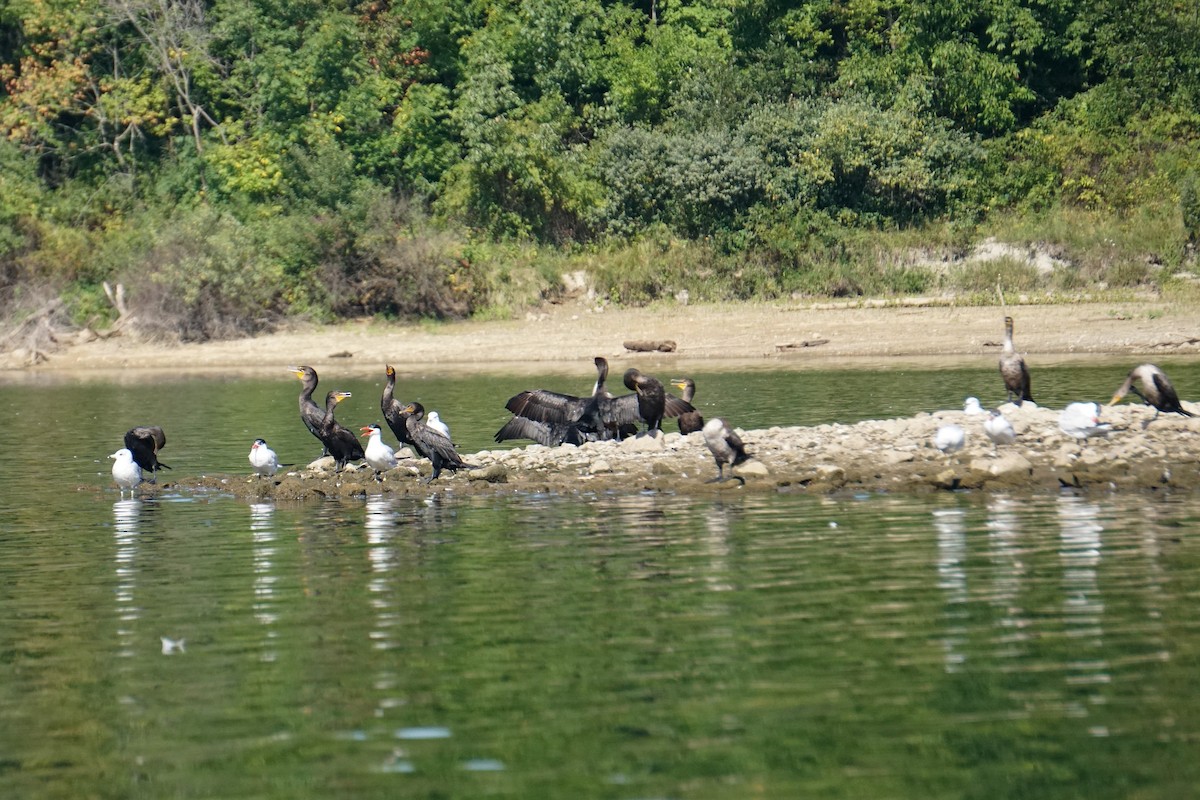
x=894 y=455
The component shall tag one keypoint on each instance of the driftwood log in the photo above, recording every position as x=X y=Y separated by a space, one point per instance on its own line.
x=647 y=346
x=782 y=348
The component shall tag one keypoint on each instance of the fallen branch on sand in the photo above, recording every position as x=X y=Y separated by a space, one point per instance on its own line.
x=643 y=346
x=781 y=348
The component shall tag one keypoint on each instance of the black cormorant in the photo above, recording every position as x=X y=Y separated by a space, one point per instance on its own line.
x=144 y=442
x=689 y=421
x=338 y=440
x=311 y=414
x=431 y=443
x=552 y=418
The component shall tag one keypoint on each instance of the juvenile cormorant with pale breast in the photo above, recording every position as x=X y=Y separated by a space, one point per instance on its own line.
x=1156 y=391
x=1013 y=369
x=726 y=448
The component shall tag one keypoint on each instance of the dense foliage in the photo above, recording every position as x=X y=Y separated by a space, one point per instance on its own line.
x=236 y=161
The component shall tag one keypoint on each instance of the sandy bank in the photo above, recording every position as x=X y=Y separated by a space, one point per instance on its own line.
x=744 y=335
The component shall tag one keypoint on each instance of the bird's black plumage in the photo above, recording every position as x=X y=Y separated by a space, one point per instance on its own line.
x=552 y=418
x=144 y=442
x=690 y=421
x=431 y=444
x=311 y=414
x=338 y=440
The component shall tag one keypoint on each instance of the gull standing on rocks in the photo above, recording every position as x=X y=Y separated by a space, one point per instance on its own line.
x=726 y=448
x=1012 y=368
x=380 y=455
x=998 y=429
x=971 y=406
x=263 y=459
x=1082 y=420
x=949 y=439
x=125 y=471
x=1156 y=391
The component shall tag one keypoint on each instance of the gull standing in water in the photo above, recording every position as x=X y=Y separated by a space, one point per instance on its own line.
x=726 y=447
x=1013 y=369
x=263 y=459
x=998 y=429
x=1156 y=391
x=125 y=471
x=380 y=455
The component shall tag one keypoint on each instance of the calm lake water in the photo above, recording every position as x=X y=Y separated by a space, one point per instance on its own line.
x=645 y=646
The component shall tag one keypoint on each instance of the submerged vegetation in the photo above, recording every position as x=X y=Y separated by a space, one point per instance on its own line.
x=233 y=164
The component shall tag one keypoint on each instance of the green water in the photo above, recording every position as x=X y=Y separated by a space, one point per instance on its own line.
x=609 y=646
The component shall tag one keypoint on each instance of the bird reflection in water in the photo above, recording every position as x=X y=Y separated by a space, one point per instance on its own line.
x=262 y=534
x=1080 y=552
x=950 y=525
x=126 y=523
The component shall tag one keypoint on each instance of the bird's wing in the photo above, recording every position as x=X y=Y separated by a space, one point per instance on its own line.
x=622 y=410
x=542 y=405
x=433 y=442
x=1166 y=391
x=525 y=428
x=675 y=407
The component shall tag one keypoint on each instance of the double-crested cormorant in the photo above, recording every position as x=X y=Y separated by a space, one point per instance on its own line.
x=1013 y=369
x=144 y=442
x=950 y=438
x=998 y=429
x=726 y=448
x=311 y=414
x=1156 y=390
x=651 y=398
x=338 y=440
x=125 y=470
x=393 y=409
x=431 y=444
x=1082 y=420
x=689 y=421
x=263 y=459
x=379 y=454
x=551 y=418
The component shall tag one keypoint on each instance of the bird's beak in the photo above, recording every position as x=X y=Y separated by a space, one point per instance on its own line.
x=343 y=395
x=1116 y=398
